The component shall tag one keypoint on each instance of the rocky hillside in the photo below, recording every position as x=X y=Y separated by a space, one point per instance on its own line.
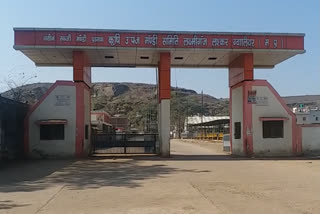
x=307 y=100
x=138 y=101
x=30 y=93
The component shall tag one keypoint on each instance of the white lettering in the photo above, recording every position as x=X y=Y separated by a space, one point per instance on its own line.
x=66 y=38
x=113 y=40
x=195 y=41
x=275 y=43
x=81 y=38
x=134 y=40
x=219 y=42
x=48 y=37
x=151 y=40
x=170 y=40
x=97 y=39
x=243 y=42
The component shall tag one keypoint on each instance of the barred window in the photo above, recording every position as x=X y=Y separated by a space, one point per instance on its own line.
x=52 y=132
x=237 y=130
x=272 y=129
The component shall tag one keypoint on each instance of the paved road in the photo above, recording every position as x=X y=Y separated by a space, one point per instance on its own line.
x=199 y=178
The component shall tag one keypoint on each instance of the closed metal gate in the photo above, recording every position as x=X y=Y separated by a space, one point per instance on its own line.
x=124 y=143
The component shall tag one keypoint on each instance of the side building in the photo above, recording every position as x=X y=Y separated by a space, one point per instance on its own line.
x=12 y=115
x=58 y=125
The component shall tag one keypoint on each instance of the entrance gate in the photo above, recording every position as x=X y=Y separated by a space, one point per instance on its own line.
x=253 y=103
x=124 y=143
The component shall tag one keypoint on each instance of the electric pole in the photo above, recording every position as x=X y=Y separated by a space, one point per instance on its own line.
x=202 y=112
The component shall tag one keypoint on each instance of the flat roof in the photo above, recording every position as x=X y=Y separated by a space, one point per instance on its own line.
x=141 y=48
x=199 y=120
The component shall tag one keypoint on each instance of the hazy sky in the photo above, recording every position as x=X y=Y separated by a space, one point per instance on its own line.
x=298 y=75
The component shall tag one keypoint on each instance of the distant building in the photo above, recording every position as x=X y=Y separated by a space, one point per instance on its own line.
x=196 y=125
x=120 y=123
x=208 y=121
x=100 y=116
x=100 y=122
x=306 y=115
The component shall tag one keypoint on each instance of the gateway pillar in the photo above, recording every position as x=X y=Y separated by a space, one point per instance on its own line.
x=240 y=79
x=82 y=79
x=164 y=90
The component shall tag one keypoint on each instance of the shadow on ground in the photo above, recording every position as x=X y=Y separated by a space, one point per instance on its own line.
x=82 y=174
x=99 y=172
x=180 y=157
x=8 y=204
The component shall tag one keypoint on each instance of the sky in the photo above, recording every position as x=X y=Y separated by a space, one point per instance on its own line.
x=299 y=75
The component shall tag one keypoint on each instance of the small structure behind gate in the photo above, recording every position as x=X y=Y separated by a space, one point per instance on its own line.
x=124 y=143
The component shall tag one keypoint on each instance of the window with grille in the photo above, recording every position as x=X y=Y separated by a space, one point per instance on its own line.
x=237 y=130
x=52 y=132
x=272 y=129
x=86 y=132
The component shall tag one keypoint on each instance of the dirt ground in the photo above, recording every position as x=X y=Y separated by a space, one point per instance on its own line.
x=198 y=178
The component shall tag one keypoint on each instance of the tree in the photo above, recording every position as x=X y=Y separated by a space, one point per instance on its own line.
x=15 y=84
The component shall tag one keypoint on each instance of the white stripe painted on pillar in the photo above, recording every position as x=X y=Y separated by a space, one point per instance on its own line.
x=164 y=131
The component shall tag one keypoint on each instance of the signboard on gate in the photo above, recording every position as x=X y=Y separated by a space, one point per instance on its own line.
x=258 y=100
x=62 y=100
x=157 y=39
x=252 y=96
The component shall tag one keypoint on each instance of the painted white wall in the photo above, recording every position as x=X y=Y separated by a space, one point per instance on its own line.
x=87 y=119
x=164 y=127
x=237 y=116
x=270 y=146
x=311 y=140
x=49 y=110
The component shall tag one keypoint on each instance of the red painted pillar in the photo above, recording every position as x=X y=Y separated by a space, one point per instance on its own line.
x=241 y=69
x=164 y=90
x=82 y=79
x=241 y=74
x=164 y=76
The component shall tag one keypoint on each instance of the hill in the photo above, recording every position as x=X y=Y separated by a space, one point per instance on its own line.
x=307 y=100
x=139 y=102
